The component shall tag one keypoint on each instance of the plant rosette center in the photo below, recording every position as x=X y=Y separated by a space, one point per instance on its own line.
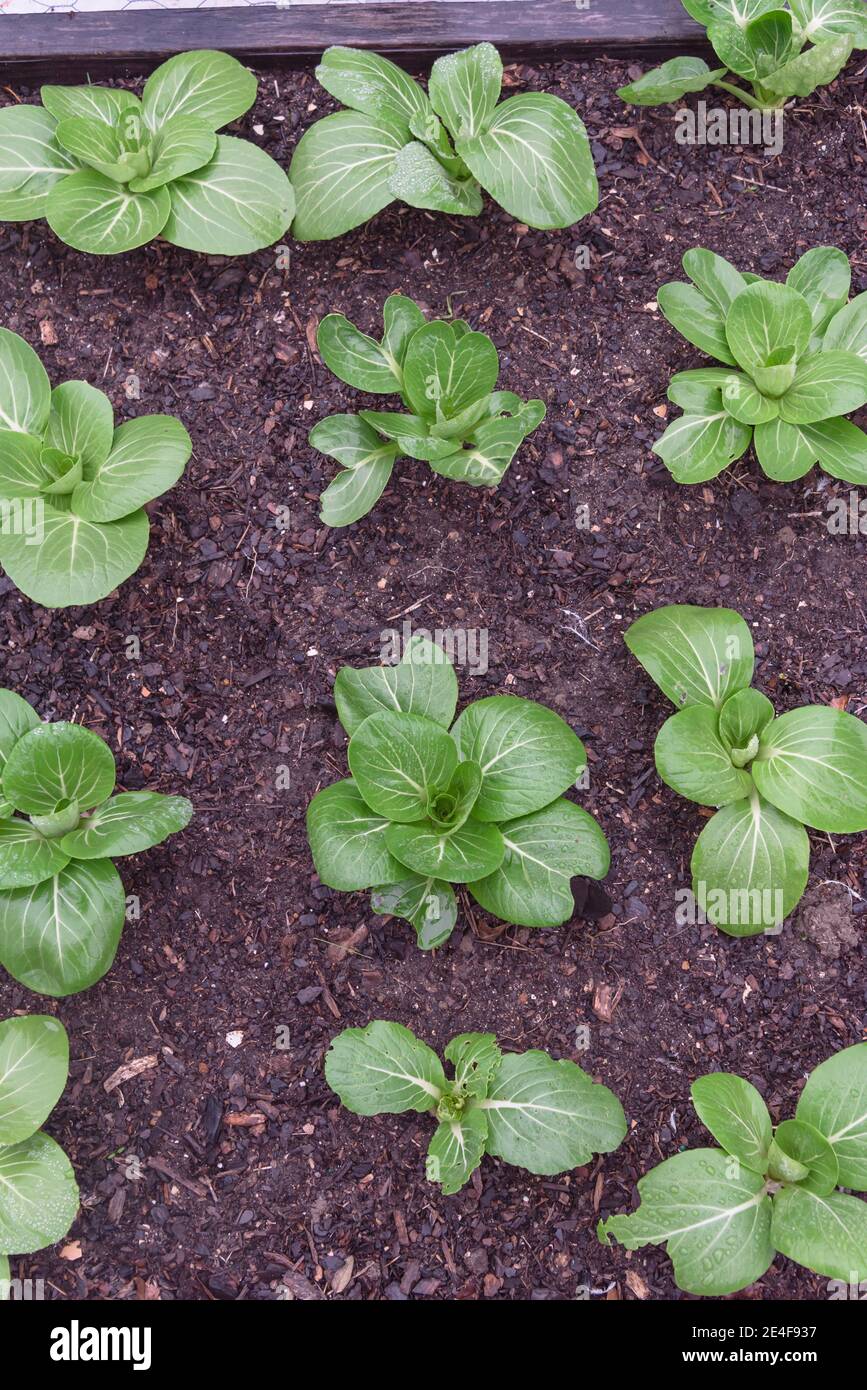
x=450 y=1107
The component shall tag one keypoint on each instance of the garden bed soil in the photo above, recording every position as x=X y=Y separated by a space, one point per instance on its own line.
x=226 y=1172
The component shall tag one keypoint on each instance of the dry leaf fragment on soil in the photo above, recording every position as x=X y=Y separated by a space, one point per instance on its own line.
x=128 y=1071
x=343 y=1276
x=605 y=1002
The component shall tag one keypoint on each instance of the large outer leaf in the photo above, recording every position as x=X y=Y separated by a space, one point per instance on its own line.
x=34 y=1064
x=764 y=318
x=356 y=358
x=812 y=763
x=736 y=1116
x=494 y=445
x=848 y=328
x=697 y=656
x=448 y=369
x=238 y=203
x=58 y=762
x=826 y=1234
x=106 y=104
x=213 y=87
x=527 y=753
x=472 y=851
x=128 y=824
x=549 y=1116
x=842 y=449
x=428 y=904
x=696 y=448
x=147 y=457
x=366 y=82
x=77 y=561
x=784 y=451
x=534 y=158
x=419 y=180
x=383 y=1069
x=26 y=856
x=670 y=82
x=31 y=162
x=38 y=1195
x=544 y=852
x=714 y=1216
x=92 y=213
x=823 y=276
x=750 y=866
x=826 y=384
x=465 y=87
x=422 y=682
x=696 y=318
x=347 y=840
x=834 y=1101
x=398 y=760
x=340 y=172
x=822 y=19
x=456 y=1150
x=61 y=936
x=25 y=391
x=693 y=760
x=813 y=68
x=355 y=491
x=717 y=279
x=16 y=719
x=81 y=423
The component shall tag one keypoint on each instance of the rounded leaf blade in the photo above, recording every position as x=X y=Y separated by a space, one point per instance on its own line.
x=58 y=762
x=26 y=856
x=25 y=391
x=695 y=655
x=834 y=1101
x=239 y=202
x=128 y=824
x=81 y=423
x=213 y=87
x=812 y=763
x=750 y=866
x=736 y=1116
x=347 y=840
x=40 y=1195
x=32 y=162
x=147 y=457
x=472 y=851
x=692 y=759
x=77 y=561
x=60 y=936
x=398 y=761
x=34 y=1064
x=92 y=213
x=383 y=1069
x=340 y=171
x=423 y=682
x=827 y=1234
x=527 y=753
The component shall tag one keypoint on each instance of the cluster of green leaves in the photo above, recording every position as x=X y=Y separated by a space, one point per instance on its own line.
x=496 y=1103
x=426 y=808
x=72 y=487
x=782 y=50
x=438 y=150
x=796 y=358
x=769 y=776
x=445 y=375
x=725 y=1213
x=62 y=903
x=109 y=172
x=38 y=1191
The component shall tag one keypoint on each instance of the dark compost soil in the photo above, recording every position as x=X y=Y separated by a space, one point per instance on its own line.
x=224 y=1172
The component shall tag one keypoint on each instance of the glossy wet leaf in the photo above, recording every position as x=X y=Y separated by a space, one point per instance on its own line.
x=749 y=866
x=695 y=655
x=423 y=682
x=427 y=903
x=26 y=856
x=238 y=203
x=465 y=87
x=471 y=851
x=827 y=1234
x=398 y=760
x=527 y=753
x=347 y=840
x=17 y=718
x=341 y=171
x=60 y=936
x=58 y=762
x=128 y=824
x=692 y=759
x=366 y=82
x=834 y=1101
x=38 y=1195
x=34 y=1064
x=736 y=1115
x=803 y=1143
x=812 y=763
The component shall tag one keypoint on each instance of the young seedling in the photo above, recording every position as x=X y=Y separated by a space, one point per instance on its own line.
x=72 y=487
x=38 y=1191
x=438 y=150
x=796 y=364
x=426 y=808
x=781 y=50
x=110 y=172
x=769 y=776
x=445 y=375
x=62 y=903
x=725 y=1213
x=496 y=1103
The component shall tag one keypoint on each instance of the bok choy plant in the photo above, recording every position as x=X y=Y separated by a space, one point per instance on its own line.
x=445 y=375
x=431 y=803
x=781 y=50
x=62 y=903
x=725 y=1213
x=110 y=172
x=72 y=487
x=38 y=1191
x=769 y=776
x=496 y=1103
x=796 y=364
x=439 y=149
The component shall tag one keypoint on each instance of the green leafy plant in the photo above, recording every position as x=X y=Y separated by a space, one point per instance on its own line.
x=438 y=150
x=38 y=1191
x=725 y=1213
x=110 y=172
x=446 y=375
x=496 y=1103
x=796 y=358
x=782 y=51
x=62 y=903
x=769 y=776
x=72 y=487
x=480 y=805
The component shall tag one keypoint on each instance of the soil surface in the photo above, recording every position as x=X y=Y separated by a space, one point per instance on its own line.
x=226 y=1169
